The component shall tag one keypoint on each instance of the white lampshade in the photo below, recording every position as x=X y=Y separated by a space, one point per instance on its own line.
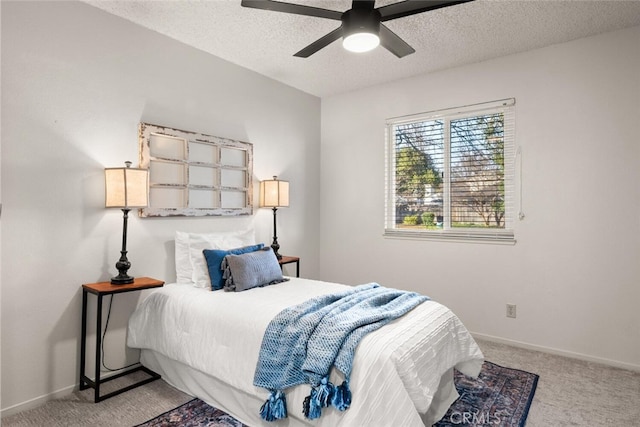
x=126 y=187
x=274 y=193
x=361 y=42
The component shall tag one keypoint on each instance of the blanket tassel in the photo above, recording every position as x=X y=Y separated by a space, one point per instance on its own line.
x=275 y=408
x=341 y=398
x=319 y=398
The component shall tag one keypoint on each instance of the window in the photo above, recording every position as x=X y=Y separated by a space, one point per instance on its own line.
x=450 y=174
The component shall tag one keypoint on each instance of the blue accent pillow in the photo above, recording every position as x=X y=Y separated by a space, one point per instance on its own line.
x=251 y=270
x=214 y=259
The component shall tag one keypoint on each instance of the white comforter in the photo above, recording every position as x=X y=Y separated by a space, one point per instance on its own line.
x=397 y=369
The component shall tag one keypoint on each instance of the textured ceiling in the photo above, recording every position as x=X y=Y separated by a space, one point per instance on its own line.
x=265 y=41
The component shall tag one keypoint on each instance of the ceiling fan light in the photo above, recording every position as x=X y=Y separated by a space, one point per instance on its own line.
x=361 y=42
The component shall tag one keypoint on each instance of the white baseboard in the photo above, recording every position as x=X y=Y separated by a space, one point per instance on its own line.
x=37 y=401
x=558 y=352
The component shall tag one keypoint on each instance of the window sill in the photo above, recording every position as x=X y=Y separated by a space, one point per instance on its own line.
x=496 y=238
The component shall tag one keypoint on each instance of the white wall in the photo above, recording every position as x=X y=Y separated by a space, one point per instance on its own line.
x=575 y=270
x=75 y=83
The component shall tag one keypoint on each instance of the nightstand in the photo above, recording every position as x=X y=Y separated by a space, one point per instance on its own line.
x=289 y=260
x=100 y=290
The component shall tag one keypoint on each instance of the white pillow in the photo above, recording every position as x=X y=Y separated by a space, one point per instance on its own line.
x=183 y=262
x=191 y=266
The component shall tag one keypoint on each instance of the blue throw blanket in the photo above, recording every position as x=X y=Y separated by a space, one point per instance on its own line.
x=302 y=344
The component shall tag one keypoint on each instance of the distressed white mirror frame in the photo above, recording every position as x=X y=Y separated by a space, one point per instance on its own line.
x=193 y=174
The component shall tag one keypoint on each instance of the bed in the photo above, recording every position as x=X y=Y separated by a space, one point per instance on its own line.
x=206 y=343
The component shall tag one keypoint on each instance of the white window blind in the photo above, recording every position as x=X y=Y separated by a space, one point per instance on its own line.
x=450 y=173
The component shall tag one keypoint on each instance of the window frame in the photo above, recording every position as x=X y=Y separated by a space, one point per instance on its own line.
x=447 y=233
x=193 y=169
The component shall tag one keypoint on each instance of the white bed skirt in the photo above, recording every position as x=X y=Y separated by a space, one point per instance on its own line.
x=245 y=407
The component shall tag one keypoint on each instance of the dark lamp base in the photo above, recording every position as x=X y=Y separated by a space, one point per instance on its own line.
x=123 y=265
x=121 y=280
x=275 y=247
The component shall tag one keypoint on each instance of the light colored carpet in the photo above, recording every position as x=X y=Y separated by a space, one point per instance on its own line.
x=570 y=393
x=124 y=410
x=573 y=392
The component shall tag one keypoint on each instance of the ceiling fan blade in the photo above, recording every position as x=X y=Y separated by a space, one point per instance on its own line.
x=393 y=43
x=298 y=9
x=406 y=8
x=320 y=43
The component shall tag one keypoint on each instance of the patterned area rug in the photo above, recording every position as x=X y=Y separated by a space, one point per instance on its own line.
x=499 y=397
x=194 y=413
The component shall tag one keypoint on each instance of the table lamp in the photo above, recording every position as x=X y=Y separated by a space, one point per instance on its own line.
x=125 y=188
x=274 y=194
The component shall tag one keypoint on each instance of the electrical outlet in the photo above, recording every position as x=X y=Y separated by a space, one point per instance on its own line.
x=511 y=310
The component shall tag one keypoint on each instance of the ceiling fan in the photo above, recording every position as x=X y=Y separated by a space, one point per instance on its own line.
x=362 y=26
